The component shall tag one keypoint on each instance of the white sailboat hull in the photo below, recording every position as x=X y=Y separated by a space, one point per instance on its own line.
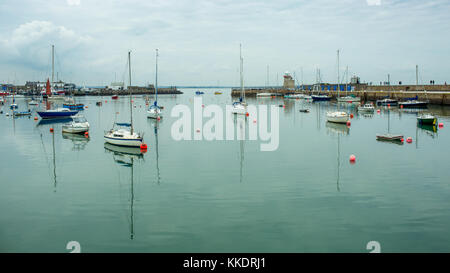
x=154 y=113
x=239 y=109
x=337 y=117
x=75 y=129
x=123 y=138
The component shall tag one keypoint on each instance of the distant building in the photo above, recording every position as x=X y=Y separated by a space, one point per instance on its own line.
x=355 y=80
x=116 y=86
x=289 y=82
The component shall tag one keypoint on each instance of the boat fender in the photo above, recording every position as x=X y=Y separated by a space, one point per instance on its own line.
x=441 y=125
x=351 y=115
x=86 y=134
x=349 y=123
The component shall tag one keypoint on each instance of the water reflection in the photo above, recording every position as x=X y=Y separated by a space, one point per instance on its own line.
x=155 y=130
x=337 y=128
x=125 y=157
x=79 y=141
x=240 y=124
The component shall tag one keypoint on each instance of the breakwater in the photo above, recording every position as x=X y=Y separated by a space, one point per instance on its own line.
x=134 y=91
x=435 y=94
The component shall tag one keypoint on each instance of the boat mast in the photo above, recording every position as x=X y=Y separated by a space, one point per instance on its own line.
x=156 y=79
x=417 y=76
x=53 y=64
x=242 y=77
x=129 y=87
x=339 y=87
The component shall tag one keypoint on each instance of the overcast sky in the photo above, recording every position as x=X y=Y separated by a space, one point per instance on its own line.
x=199 y=40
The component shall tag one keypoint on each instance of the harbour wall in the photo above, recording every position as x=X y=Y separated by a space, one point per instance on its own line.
x=435 y=94
x=134 y=91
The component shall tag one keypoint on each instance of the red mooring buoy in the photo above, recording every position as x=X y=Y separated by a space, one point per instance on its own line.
x=349 y=123
x=409 y=140
x=51 y=130
x=352 y=159
x=86 y=134
x=441 y=125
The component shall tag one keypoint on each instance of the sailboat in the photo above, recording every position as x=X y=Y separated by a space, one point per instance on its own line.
x=414 y=102
x=125 y=136
x=240 y=107
x=155 y=111
x=318 y=96
x=56 y=113
x=395 y=138
x=337 y=116
x=14 y=106
x=347 y=98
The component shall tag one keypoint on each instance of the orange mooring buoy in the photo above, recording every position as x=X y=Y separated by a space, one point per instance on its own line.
x=51 y=130
x=143 y=146
x=35 y=118
x=86 y=134
x=351 y=115
x=247 y=114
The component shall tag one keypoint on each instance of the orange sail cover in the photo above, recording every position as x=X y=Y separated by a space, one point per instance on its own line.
x=48 y=92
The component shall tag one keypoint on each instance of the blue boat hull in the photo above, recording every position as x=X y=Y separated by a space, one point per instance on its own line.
x=320 y=98
x=56 y=115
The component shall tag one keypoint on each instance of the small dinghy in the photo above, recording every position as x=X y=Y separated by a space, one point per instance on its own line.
x=78 y=125
x=304 y=110
x=98 y=103
x=199 y=93
x=389 y=137
x=73 y=106
x=115 y=97
x=22 y=114
x=33 y=102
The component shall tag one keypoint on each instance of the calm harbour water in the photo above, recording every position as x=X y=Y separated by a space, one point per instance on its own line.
x=225 y=196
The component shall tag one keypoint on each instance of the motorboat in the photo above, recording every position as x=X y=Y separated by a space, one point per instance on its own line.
x=366 y=108
x=294 y=96
x=427 y=119
x=78 y=125
x=387 y=102
x=320 y=97
x=349 y=99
